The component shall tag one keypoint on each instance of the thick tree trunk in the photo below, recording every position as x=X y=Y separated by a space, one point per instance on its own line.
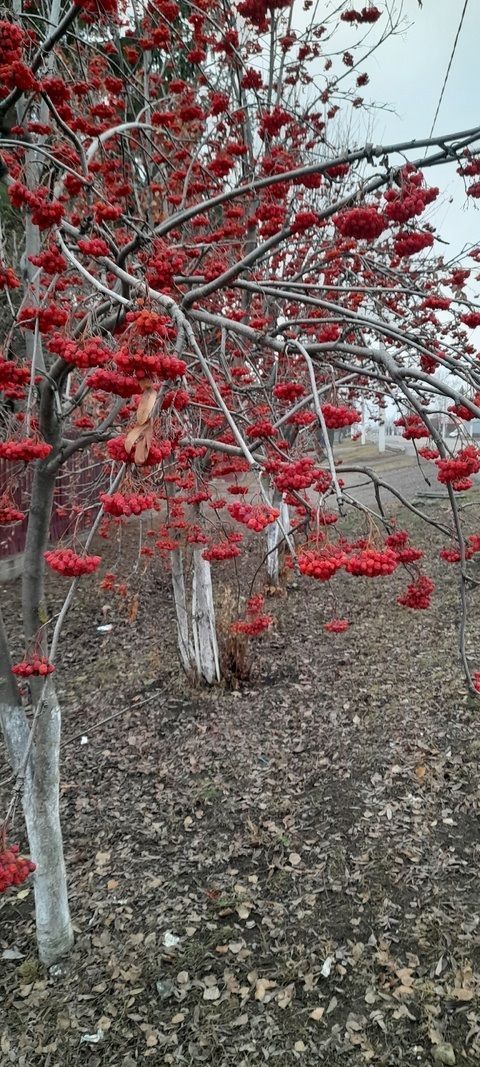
x=275 y=535
x=181 y=610
x=13 y=720
x=42 y=817
x=203 y=621
x=41 y=794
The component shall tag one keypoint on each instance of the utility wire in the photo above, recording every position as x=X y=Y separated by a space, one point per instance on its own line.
x=462 y=17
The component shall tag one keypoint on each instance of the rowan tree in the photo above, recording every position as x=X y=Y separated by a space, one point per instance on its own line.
x=207 y=280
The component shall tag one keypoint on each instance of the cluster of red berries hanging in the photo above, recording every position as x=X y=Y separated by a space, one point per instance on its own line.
x=256 y=621
x=319 y=564
x=224 y=550
x=25 y=451
x=132 y=504
x=363 y=223
x=418 y=594
x=404 y=553
x=255 y=516
x=37 y=666
x=338 y=417
x=371 y=563
x=9 y=513
x=14 y=868
x=67 y=562
x=457 y=471
x=413 y=427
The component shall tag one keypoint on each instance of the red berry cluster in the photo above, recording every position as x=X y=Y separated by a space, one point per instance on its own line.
x=371 y=563
x=14 y=869
x=12 y=39
x=472 y=319
x=224 y=550
x=336 y=626
x=288 y=391
x=159 y=450
x=65 y=561
x=91 y=353
x=48 y=317
x=302 y=418
x=450 y=555
x=418 y=594
x=8 y=512
x=50 y=260
x=133 y=504
x=255 y=516
x=409 y=554
x=361 y=222
x=148 y=323
x=408 y=244
x=37 y=665
x=398 y=539
x=263 y=428
x=338 y=417
x=12 y=376
x=25 y=450
x=414 y=428
x=94 y=247
x=463 y=412
x=300 y=474
x=428 y=453
x=44 y=213
x=367 y=14
x=457 y=470
x=178 y=399
x=110 y=381
x=256 y=621
x=8 y=278
x=410 y=200
x=319 y=565
x=170 y=367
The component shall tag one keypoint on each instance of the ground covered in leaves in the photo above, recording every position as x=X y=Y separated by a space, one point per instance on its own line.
x=284 y=874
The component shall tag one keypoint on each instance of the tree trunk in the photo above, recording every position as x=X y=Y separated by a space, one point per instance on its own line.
x=203 y=621
x=41 y=794
x=275 y=533
x=181 y=610
x=13 y=720
x=42 y=817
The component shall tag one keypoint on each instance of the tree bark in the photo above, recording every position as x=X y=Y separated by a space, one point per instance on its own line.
x=41 y=794
x=203 y=621
x=13 y=720
x=275 y=537
x=181 y=610
x=42 y=816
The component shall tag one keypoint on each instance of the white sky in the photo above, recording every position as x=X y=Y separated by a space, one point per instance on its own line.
x=407 y=74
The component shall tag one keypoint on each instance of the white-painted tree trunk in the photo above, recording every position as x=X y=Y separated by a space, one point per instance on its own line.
x=42 y=817
x=185 y=646
x=275 y=536
x=203 y=620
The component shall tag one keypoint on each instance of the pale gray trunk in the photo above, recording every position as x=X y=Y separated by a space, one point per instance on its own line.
x=42 y=817
x=275 y=537
x=13 y=720
x=185 y=647
x=41 y=794
x=203 y=620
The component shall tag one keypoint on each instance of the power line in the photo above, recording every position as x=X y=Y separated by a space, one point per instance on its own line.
x=449 y=65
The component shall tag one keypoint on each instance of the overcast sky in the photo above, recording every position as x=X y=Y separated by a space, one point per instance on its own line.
x=407 y=73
